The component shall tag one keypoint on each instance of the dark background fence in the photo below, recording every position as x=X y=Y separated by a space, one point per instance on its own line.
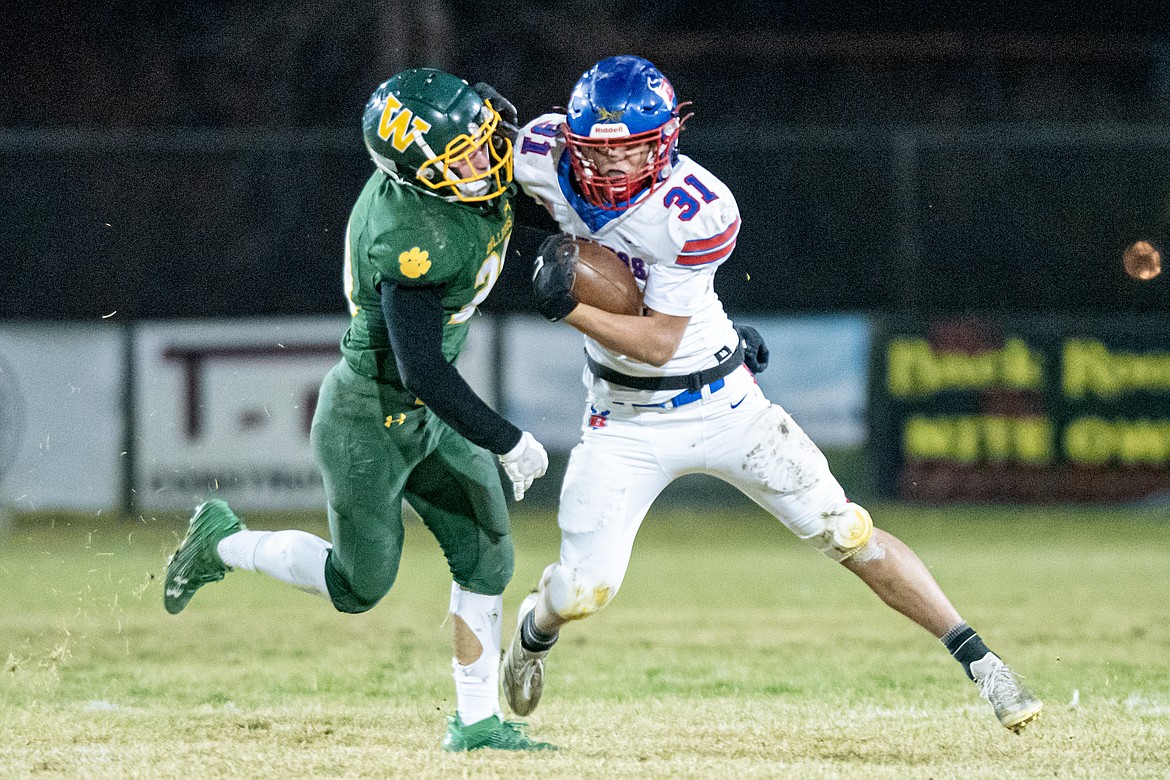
x=200 y=161
x=214 y=223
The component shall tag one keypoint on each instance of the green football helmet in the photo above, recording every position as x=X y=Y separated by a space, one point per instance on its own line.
x=432 y=130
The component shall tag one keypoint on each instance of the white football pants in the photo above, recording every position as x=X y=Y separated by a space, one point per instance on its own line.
x=628 y=456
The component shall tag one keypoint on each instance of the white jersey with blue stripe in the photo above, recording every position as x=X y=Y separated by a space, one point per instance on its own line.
x=673 y=241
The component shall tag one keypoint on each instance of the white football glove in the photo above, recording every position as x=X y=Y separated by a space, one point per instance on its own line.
x=524 y=463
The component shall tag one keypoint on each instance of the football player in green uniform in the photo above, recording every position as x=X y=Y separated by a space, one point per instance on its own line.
x=425 y=243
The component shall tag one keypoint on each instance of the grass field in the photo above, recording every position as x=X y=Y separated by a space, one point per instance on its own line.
x=732 y=651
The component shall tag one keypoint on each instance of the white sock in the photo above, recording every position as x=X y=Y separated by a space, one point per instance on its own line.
x=294 y=557
x=477 y=694
x=238 y=550
x=476 y=697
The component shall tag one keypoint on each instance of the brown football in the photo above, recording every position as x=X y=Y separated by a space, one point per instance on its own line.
x=604 y=281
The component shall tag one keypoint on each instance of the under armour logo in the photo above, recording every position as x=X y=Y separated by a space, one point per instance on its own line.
x=395 y=420
x=175 y=588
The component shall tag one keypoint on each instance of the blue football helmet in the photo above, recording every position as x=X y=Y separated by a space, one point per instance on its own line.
x=622 y=106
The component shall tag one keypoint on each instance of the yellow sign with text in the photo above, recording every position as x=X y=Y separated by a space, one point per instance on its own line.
x=915 y=368
x=1091 y=368
x=978 y=438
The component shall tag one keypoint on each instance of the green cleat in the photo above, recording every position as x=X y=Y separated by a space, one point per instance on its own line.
x=494 y=732
x=196 y=563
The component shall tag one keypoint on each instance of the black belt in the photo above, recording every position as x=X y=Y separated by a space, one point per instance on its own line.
x=690 y=382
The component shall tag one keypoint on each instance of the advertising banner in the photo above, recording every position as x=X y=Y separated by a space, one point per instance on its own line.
x=1021 y=409
x=224 y=408
x=817 y=371
x=62 y=434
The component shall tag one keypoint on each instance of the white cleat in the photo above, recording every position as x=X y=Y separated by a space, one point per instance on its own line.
x=1014 y=705
x=523 y=670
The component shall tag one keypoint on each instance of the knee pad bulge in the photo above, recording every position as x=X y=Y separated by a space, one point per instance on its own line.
x=848 y=529
x=569 y=598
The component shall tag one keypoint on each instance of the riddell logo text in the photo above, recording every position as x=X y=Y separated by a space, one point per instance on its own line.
x=616 y=130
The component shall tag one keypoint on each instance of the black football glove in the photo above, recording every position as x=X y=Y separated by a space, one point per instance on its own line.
x=552 y=276
x=755 y=351
x=509 y=119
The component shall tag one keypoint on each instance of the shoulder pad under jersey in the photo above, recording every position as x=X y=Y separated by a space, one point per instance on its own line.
x=422 y=250
x=705 y=217
x=537 y=150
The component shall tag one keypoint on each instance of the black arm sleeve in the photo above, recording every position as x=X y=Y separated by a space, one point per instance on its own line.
x=414 y=317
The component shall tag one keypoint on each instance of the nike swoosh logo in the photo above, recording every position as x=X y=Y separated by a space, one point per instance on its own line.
x=737 y=403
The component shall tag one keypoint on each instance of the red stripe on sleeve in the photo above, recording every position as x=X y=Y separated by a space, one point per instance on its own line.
x=700 y=244
x=710 y=257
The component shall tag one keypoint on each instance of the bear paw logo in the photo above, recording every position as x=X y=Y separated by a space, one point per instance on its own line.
x=414 y=263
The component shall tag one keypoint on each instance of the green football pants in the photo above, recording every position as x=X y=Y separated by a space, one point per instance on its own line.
x=376 y=447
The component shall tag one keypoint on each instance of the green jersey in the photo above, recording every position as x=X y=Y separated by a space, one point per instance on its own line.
x=401 y=235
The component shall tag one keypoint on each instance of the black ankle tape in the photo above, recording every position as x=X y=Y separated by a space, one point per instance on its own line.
x=965 y=646
x=533 y=639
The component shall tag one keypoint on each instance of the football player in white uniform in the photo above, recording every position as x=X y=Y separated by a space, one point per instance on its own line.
x=670 y=392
